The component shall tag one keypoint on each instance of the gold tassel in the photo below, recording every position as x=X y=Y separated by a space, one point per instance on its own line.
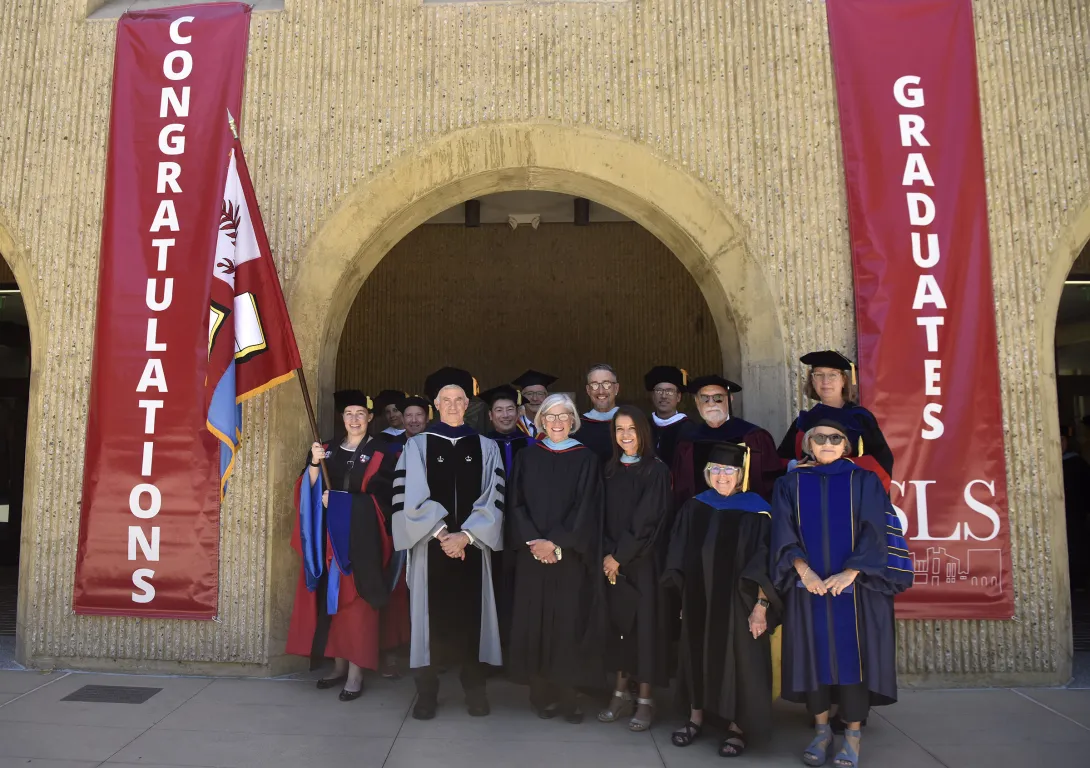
x=745 y=471
x=854 y=382
x=476 y=387
x=684 y=377
x=518 y=398
x=431 y=413
x=370 y=404
x=860 y=446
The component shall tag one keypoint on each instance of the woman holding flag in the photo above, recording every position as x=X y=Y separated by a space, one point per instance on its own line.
x=345 y=547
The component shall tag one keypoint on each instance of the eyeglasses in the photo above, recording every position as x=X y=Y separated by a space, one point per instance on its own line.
x=605 y=386
x=827 y=376
x=821 y=439
x=563 y=418
x=534 y=395
x=663 y=391
x=718 y=470
x=711 y=398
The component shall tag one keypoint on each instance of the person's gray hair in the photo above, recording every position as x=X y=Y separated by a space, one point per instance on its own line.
x=551 y=402
x=809 y=433
x=600 y=367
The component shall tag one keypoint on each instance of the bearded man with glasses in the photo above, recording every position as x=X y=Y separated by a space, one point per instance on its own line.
x=718 y=425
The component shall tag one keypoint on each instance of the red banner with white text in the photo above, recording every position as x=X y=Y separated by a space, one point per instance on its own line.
x=909 y=106
x=149 y=519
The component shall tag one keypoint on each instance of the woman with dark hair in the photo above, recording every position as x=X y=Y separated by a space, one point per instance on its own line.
x=345 y=548
x=637 y=505
x=830 y=380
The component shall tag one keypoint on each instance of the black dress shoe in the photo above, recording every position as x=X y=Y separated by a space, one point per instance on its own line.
x=477 y=704
x=424 y=710
x=331 y=682
x=346 y=695
x=549 y=712
x=575 y=717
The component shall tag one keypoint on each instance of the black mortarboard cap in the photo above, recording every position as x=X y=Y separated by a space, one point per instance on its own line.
x=666 y=374
x=347 y=397
x=533 y=378
x=829 y=358
x=388 y=397
x=418 y=400
x=502 y=392
x=695 y=385
x=450 y=377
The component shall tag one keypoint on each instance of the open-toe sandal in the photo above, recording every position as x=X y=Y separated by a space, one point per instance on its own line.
x=687 y=734
x=848 y=756
x=734 y=745
x=821 y=748
x=637 y=724
x=620 y=706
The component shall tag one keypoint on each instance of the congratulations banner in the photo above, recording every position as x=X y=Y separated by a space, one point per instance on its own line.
x=910 y=125
x=149 y=520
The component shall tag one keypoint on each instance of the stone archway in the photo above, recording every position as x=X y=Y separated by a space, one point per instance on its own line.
x=1074 y=239
x=19 y=265
x=614 y=171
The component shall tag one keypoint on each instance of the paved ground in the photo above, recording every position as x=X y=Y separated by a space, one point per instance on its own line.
x=270 y=723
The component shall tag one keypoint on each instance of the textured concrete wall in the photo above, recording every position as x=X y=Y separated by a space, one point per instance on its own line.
x=735 y=96
x=556 y=299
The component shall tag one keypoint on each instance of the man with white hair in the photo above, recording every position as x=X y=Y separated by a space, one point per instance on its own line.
x=448 y=512
x=718 y=424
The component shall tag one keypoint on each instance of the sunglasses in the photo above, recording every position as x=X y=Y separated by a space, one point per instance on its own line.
x=712 y=398
x=821 y=439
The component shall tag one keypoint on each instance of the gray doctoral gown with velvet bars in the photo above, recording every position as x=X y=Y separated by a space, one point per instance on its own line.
x=434 y=466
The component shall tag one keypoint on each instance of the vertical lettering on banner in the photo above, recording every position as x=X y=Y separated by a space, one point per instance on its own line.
x=925 y=318
x=149 y=516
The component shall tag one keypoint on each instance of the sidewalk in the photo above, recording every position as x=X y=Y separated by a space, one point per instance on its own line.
x=270 y=723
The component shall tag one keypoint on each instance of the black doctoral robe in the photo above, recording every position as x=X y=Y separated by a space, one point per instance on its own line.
x=718 y=558
x=597 y=435
x=503 y=561
x=834 y=517
x=695 y=443
x=559 y=616
x=638 y=503
x=665 y=436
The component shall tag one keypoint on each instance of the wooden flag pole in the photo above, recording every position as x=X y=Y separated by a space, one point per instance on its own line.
x=313 y=423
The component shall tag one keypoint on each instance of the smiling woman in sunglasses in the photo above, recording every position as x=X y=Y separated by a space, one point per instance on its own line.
x=718 y=560
x=837 y=559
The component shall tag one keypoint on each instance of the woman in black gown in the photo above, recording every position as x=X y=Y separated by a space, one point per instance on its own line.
x=718 y=558
x=638 y=501
x=555 y=517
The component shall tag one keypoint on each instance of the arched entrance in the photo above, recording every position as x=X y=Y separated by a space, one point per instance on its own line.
x=628 y=178
x=18 y=378
x=1066 y=323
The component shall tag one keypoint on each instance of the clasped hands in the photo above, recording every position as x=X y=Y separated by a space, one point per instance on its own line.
x=610 y=567
x=815 y=585
x=453 y=544
x=544 y=551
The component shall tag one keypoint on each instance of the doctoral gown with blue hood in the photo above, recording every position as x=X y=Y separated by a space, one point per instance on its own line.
x=718 y=558
x=834 y=517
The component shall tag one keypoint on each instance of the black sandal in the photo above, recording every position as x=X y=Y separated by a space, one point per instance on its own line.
x=734 y=745
x=687 y=735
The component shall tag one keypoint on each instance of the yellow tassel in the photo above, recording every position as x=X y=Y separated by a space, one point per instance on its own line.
x=854 y=382
x=745 y=471
x=860 y=446
x=518 y=398
x=476 y=388
x=370 y=404
x=684 y=377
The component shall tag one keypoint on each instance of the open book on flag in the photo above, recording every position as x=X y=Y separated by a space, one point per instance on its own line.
x=251 y=345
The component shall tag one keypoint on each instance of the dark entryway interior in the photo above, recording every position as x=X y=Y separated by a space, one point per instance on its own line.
x=1073 y=396
x=14 y=400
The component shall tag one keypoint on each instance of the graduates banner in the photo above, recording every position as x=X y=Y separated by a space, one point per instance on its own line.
x=913 y=153
x=149 y=520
